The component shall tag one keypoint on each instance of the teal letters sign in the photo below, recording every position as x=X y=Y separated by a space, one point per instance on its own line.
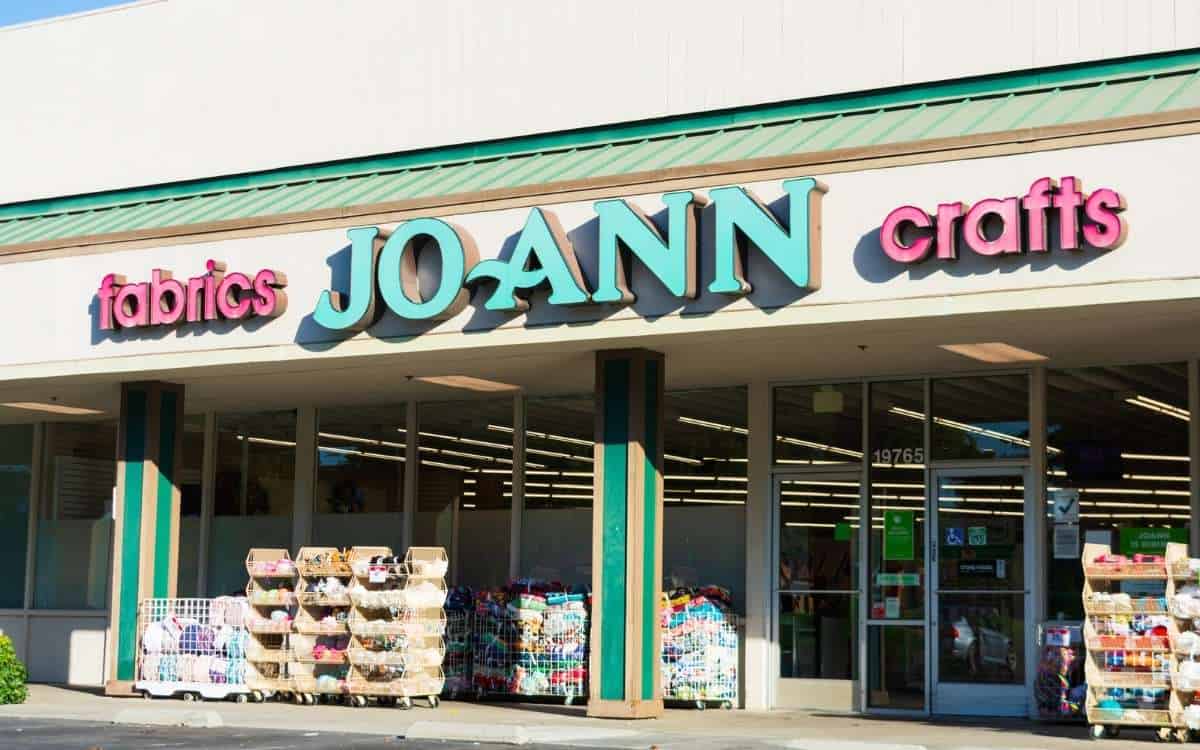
x=384 y=268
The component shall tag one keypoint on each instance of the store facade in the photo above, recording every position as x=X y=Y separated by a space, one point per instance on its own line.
x=699 y=351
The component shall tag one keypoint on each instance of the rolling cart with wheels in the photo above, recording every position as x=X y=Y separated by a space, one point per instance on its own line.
x=192 y=648
x=1131 y=644
x=699 y=650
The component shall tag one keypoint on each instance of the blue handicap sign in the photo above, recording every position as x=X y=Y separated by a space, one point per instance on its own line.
x=954 y=537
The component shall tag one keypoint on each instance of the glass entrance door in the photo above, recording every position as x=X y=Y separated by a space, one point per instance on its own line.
x=980 y=592
x=816 y=590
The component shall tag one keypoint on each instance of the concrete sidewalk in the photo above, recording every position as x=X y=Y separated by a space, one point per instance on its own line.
x=525 y=723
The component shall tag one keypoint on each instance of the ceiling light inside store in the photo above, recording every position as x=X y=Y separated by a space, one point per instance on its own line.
x=994 y=352
x=467 y=382
x=52 y=408
x=1160 y=407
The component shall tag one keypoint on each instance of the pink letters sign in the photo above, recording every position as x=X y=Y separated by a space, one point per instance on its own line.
x=910 y=235
x=216 y=295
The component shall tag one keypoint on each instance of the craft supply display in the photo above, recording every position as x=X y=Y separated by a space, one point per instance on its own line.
x=1140 y=640
x=531 y=640
x=699 y=647
x=457 y=665
x=318 y=666
x=194 y=648
x=271 y=599
x=397 y=625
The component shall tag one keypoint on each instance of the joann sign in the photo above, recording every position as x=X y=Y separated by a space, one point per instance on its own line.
x=383 y=267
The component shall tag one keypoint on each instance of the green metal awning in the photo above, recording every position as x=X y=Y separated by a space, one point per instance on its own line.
x=994 y=104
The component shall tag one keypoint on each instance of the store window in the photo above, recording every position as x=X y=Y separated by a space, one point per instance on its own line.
x=1117 y=447
x=556 y=531
x=75 y=523
x=359 y=495
x=817 y=425
x=16 y=471
x=704 y=489
x=981 y=417
x=465 y=485
x=897 y=579
x=253 y=493
x=192 y=459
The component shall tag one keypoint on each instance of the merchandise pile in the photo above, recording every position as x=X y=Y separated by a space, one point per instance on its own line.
x=189 y=643
x=699 y=645
x=531 y=640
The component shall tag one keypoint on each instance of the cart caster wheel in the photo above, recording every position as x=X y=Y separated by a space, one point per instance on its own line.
x=479 y=694
x=241 y=698
x=727 y=705
x=1183 y=735
x=1163 y=734
x=310 y=699
x=360 y=701
x=298 y=699
x=1097 y=731
x=568 y=700
x=404 y=703
x=257 y=696
x=701 y=705
x=147 y=696
x=190 y=697
x=434 y=701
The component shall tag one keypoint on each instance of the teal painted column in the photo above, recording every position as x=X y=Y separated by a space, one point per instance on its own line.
x=146 y=513
x=627 y=536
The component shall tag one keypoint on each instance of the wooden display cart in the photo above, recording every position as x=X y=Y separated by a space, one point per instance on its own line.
x=271 y=587
x=1128 y=660
x=398 y=625
x=321 y=619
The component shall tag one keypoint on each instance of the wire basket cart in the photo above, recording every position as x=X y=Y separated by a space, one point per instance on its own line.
x=700 y=660
x=194 y=648
x=457 y=665
x=533 y=646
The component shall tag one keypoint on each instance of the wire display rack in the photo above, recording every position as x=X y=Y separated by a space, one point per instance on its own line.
x=530 y=645
x=397 y=625
x=699 y=652
x=271 y=601
x=194 y=648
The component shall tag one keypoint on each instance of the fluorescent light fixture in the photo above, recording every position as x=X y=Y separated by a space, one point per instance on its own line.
x=1160 y=407
x=466 y=382
x=994 y=352
x=52 y=408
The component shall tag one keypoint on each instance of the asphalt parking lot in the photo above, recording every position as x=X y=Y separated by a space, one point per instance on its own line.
x=27 y=734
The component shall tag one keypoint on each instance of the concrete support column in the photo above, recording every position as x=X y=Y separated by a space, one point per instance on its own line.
x=625 y=679
x=146 y=516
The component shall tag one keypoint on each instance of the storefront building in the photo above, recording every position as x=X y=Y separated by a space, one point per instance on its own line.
x=878 y=363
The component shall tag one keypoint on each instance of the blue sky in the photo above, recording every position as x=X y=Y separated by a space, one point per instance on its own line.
x=22 y=11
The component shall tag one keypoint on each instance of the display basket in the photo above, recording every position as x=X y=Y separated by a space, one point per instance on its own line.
x=322 y=562
x=188 y=647
x=319 y=599
x=267 y=626
x=270 y=564
x=427 y=562
x=402 y=687
x=457 y=663
x=1150 y=605
x=411 y=623
x=303 y=649
x=306 y=678
x=270 y=597
x=263 y=654
x=1126 y=571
